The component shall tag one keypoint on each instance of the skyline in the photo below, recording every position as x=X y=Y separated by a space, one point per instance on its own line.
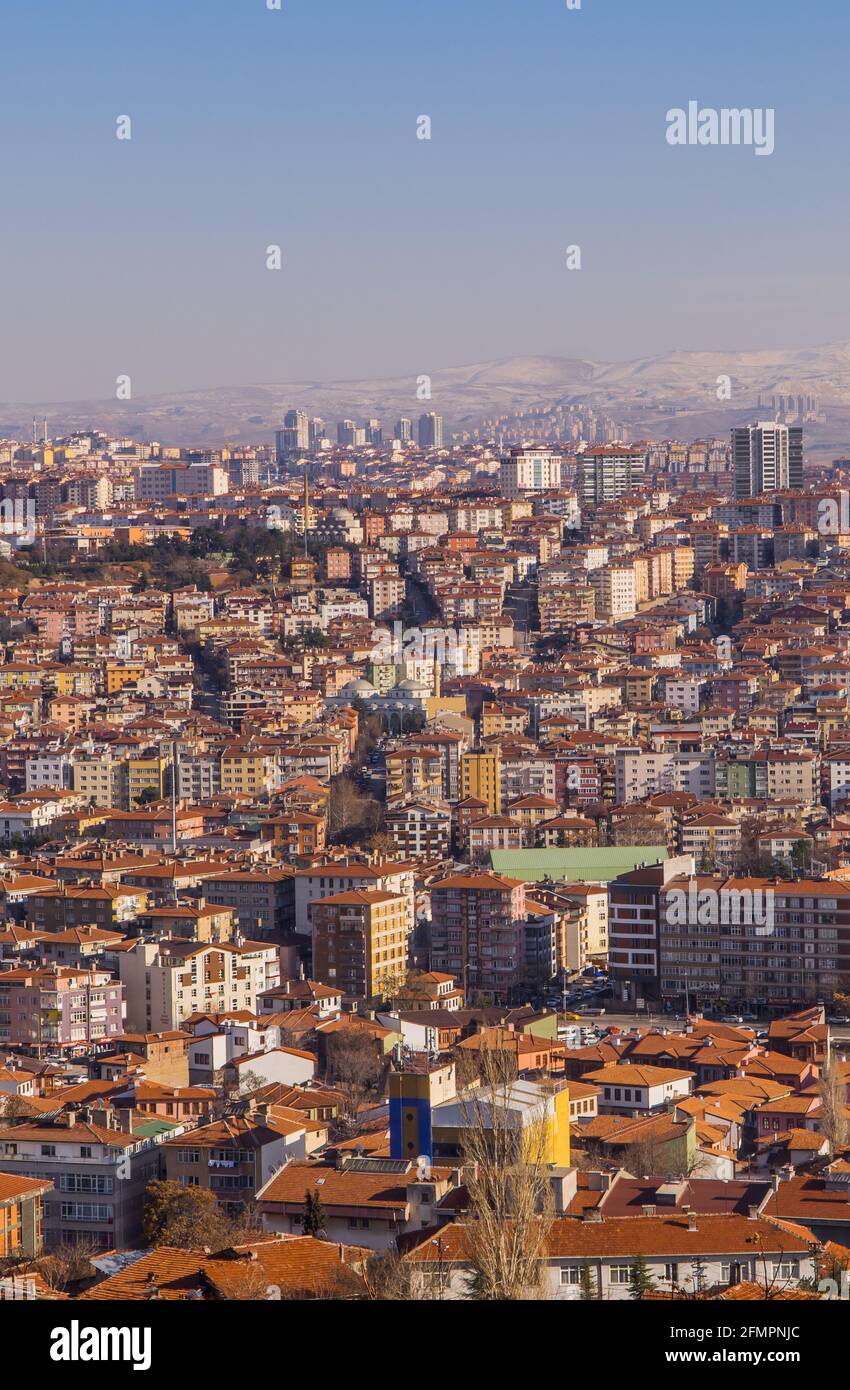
x=404 y=255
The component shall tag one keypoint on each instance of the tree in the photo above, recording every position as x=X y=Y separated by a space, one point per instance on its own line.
x=832 y=1089
x=351 y=814
x=642 y=1282
x=67 y=1267
x=510 y=1199
x=356 y=1071
x=187 y=1217
x=313 y=1219
x=638 y=830
x=587 y=1282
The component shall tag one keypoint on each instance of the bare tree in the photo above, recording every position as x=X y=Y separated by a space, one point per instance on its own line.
x=832 y=1089
x=356 y=1071
x=68 y=1267
x=510 y=1200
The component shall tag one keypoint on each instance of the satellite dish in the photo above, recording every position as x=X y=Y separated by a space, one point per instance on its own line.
x=423 y=1168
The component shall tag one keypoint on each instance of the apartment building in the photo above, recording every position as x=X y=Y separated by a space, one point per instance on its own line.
x=768 y=946
x=99 y=1162
x=360 y=941
x=262 y=899
x=477 y=931
x=55 y=1008
x=167 y=981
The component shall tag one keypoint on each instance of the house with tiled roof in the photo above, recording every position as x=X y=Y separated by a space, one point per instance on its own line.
x=372 y=1200
x=265 y=1268
x=697 y=1253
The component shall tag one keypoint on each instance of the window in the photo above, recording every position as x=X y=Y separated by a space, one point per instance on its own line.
x=570 y=1274
x=48 y=1150
x=671 y=1273
x=621 y=1274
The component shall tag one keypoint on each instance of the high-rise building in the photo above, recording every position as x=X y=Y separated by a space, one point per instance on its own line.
x=478 y=930
x=767 y=456
x=294 y=438
x=528 y=470
x=404 y=430
x=430 y=431
x=374 y=433
x=347 y=432
x=481 y=776
x=609 y=472
x=317 y=432
x=360 y=941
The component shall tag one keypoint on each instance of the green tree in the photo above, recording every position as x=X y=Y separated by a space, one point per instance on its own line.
x=587 y=1283
x=642 y=1281
x=313 y=1220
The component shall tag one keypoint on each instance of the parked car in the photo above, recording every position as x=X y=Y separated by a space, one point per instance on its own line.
x=838 y=1020
x=732 y=1018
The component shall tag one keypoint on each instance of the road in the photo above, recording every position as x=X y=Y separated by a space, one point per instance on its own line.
x=626 y=1021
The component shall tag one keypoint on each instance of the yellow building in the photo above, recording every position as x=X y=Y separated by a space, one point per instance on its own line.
x=246 y=770
x=117 y=676
x=481 y=777
x=145 y=775
x=533 y=1106
x=360 y=941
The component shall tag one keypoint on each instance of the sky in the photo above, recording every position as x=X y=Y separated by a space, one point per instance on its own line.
x=297 y=127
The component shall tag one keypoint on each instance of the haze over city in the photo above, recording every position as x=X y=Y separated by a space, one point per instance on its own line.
x=298 y=128
x=424 y=682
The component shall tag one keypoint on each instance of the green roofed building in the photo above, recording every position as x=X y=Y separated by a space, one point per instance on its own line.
x=588 y=865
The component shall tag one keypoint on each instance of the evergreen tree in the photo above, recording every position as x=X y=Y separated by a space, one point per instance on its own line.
x=642 y=1281
x=588 y=1284
x=313 y=1220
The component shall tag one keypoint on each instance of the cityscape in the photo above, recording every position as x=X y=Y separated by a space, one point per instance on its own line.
x=425 y=766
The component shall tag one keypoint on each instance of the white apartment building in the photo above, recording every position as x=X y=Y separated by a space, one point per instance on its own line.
x=616 y=591
x=528 y=470
x=166 y=981
x=641 y=774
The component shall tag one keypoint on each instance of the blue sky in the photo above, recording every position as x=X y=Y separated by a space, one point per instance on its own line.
x=298 y=127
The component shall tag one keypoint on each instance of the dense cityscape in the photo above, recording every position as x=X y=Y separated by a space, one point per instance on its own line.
x=383 y=813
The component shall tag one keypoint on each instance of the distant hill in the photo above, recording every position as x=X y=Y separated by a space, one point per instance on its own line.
x=672 y=394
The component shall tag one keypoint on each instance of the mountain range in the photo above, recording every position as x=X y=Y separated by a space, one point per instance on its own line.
x=672 y=394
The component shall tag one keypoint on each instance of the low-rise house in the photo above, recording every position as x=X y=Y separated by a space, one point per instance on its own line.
x=632 y=1089
x=690 y=1252
x=371 y=1200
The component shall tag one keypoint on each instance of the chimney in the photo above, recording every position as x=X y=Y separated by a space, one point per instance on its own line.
x=692 y=1221
x=752 y=1212
x=125 y=1121
x=70 y=1118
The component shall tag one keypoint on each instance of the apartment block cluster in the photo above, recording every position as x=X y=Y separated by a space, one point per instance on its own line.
x=330 y=770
